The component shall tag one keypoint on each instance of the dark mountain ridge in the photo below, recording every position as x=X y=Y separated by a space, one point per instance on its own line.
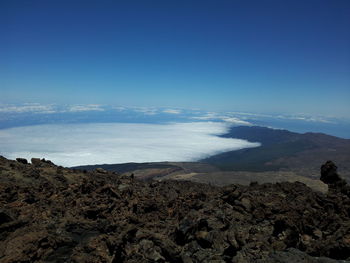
x=283 y=150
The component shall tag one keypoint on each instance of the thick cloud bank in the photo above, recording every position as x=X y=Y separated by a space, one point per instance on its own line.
x=78 y=144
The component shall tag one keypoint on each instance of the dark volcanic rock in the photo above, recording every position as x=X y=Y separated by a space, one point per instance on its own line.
x=36 y=161
x=329 y=174
x=54 y=214
x=22 y=160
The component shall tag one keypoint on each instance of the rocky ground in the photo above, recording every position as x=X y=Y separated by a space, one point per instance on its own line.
x=54 y=214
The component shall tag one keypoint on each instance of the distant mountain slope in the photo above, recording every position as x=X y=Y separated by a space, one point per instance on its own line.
x=147 y=171
x=283 y=150
x=264 y=135
x=126 y=167
x=203 y=173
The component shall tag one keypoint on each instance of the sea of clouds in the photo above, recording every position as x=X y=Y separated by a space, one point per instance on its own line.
x=98 y=143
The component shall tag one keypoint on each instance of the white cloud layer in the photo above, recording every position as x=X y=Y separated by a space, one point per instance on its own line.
x=145 y=110
x=88 y=107
x=30 y=107
x=228 y=119
x=78 y=144
x=172 y=111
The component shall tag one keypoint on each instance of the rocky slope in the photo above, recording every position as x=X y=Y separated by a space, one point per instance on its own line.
x=55 y=214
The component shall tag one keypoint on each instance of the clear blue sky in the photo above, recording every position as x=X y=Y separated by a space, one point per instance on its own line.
x=290 y=56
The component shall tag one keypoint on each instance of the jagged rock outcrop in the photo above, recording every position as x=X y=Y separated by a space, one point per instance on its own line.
x=55 y=214
x=330 y=176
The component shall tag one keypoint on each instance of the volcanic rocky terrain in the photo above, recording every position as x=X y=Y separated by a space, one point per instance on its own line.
x=54 y=214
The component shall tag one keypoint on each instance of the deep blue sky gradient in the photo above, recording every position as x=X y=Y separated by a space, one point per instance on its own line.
x=290 y=56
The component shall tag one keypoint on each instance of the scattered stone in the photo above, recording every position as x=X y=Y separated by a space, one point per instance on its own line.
x=246 y=203
x=36 y=161
x=317 y=233
x=47 y=161
x=101 y=170
x=22 y=160
x=123 y=187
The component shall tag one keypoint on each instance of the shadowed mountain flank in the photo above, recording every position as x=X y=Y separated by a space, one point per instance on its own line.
x=54 y=214
x=282 y=150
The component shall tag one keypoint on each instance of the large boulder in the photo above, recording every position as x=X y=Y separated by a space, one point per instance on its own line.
x=329 y=173
x=330 y=176
x=22 y=160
